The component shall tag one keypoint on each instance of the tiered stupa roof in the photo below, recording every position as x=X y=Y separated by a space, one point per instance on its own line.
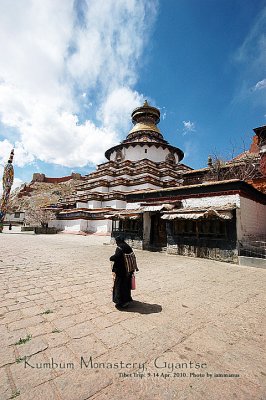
x=144 y=160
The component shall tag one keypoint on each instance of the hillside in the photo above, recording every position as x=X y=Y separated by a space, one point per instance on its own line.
x=40 y=194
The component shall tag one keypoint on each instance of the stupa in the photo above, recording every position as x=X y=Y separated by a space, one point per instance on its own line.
x=143 y=161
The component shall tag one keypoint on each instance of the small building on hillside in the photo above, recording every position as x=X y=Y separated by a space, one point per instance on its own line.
x=15 y=218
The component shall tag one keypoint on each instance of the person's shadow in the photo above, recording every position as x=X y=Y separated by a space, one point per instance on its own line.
x=142 y=308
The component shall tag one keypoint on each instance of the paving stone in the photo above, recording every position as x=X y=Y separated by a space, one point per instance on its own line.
x=31 y=311
x=56 y=338
x=9 y=302
x=87 y=347
x=33 y=346
x=80 y=330
x=106 y=308
x=41 y=329
x=3 y=310
x=7 y=356
x=15 y=294
x=90 y=311
x=5 y=388
x=21 y=305
x=66 y=311
x=11 y=316
x=65 y=322
x=137 y=325
x=41 y=392
x=102 y=322
x=76 y=386
x=155 y=343
x=114 y=336
x=12 y=337
x=62 y=359
x=24 y=323
x=31 y=373
x=146 y=388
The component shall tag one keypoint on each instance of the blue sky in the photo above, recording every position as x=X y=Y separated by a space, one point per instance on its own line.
x=74 y=70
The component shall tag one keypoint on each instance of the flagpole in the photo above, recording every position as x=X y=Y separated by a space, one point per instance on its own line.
x=8 y=178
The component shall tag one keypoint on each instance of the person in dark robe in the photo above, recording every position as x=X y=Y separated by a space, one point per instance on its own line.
x=122 y=281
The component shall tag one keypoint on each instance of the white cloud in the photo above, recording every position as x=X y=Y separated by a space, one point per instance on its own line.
x=191 y=150
x=251 y=61
x=254 y=45
x=188 y=127
x=114 y=112
x=21 y=156
x=260 y=85
x=68 y=73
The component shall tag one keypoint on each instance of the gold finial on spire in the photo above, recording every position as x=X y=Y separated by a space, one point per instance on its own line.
x=146 y=104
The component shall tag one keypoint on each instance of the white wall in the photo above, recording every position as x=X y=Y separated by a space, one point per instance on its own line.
x=123 y=188
x=94 y=204
x=212 y=201
x=167 y=178
x=114 y=204
x=101 y=189
x=138 y=153
x=251 y=218
x=67 y=225
x=96 y=179
x=80 y=204
x=96 y=226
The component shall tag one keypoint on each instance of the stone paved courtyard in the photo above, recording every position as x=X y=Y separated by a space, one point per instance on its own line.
x=62 y=338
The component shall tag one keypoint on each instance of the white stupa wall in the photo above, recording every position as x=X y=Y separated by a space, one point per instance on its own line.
x=101 y=189
x=137 y=153
x=94 y=204
x=114 y=204
x=122 y=188
x=80 y=204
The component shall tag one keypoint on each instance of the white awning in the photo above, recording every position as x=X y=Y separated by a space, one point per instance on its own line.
x=225 y=214
x=123 y=216
x=203 y=215
x=153 y=208
x=182 y=216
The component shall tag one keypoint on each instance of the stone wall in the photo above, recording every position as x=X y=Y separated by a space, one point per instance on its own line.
x=223 y=249
x=37 y=177
x=215 y=253
x=44 y=231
